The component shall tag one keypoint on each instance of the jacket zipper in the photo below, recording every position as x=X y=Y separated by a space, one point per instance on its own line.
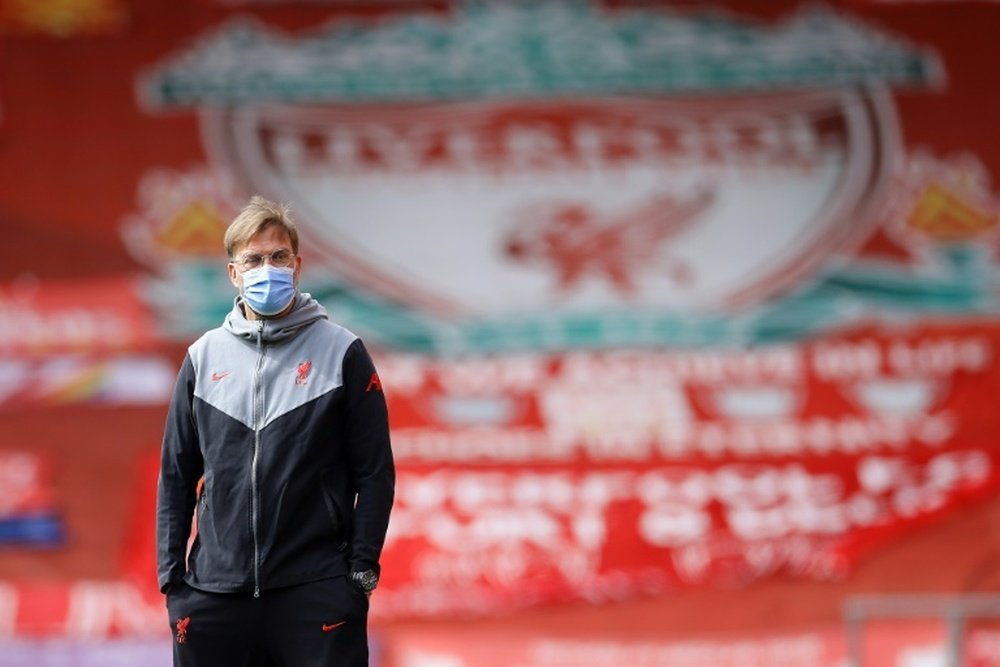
x=258 y=416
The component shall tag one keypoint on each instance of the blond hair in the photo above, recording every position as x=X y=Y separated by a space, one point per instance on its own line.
x=254 y=217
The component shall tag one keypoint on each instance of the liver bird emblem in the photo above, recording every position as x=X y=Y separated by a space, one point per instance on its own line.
x=182 y=627
x=575 y=242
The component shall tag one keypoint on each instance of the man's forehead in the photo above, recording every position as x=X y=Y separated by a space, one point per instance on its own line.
x=268 y=238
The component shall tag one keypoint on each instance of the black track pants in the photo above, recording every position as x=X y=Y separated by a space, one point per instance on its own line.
x=323 y=623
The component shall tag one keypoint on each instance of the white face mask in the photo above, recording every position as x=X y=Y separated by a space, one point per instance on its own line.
x=269 y=289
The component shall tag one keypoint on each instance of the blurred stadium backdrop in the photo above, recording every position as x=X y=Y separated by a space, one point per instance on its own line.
x=686 y=313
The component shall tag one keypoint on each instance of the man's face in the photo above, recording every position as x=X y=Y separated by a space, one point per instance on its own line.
x=269 y=240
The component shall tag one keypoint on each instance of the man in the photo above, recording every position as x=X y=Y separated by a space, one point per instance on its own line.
x=277 y=436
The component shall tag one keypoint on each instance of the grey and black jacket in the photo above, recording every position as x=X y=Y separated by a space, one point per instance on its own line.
x=286 y=422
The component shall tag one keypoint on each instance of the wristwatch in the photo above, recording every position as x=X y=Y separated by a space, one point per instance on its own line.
x=366 y=579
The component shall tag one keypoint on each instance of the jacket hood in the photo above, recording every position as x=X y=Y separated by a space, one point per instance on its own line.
x=306 y=311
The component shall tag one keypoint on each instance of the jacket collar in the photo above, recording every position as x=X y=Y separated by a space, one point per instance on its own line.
x=306 y=311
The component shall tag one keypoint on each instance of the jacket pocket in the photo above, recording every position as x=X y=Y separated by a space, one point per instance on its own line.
x=333 y=509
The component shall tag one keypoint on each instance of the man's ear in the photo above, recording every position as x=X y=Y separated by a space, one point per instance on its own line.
x=233 y=275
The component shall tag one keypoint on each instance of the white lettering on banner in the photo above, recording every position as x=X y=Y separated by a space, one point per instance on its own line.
x=778 y=364
x=498 y=527
x=908 y=488
x=789 y=517
x=401 y=374
x=847 y=397
x=836 y=361
x=762 y=140
x=633 y=434
x=476 y=376
x=849 y=434
x=840 y=360
x=941 y=357
x=926 y=358
x=24 y=328
x=674 y=526
x=470 y=491
x=478 y=444
x=631 y=417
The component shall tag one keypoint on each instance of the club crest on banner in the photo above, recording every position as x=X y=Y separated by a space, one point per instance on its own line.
x=629 y=179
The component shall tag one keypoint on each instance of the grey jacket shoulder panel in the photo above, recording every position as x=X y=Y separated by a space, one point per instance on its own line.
x=292 y=371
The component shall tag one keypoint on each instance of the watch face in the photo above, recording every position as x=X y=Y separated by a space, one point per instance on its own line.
x=368 y=580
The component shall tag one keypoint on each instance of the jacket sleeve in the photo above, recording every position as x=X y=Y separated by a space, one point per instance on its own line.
x=181 y=466
x=369 y=455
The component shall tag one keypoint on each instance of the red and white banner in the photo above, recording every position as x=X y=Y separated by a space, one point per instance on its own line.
x=641 y=471
x=95 y=315
x=872 y=391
